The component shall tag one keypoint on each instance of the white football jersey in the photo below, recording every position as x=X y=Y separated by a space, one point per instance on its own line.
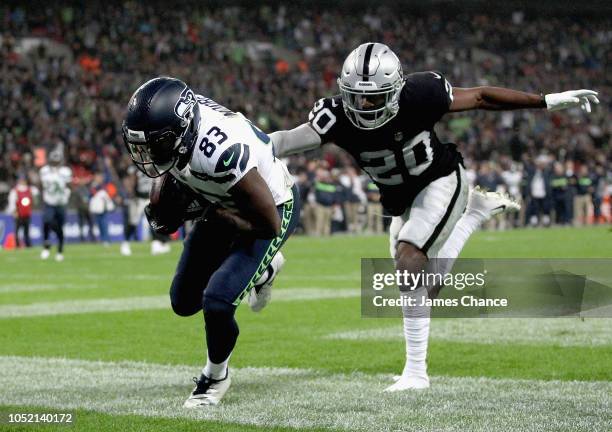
x=228 y=146
x=56 y=184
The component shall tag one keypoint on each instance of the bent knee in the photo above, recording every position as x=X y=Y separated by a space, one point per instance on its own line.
x=182 y=303
x=184 y=309
x=214 y=306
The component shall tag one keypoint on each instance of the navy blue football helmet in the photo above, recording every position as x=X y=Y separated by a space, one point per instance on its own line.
x=161 y=124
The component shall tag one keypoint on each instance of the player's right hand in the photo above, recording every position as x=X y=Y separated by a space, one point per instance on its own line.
x=572 y=98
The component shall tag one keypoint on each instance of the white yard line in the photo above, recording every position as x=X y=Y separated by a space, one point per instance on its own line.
x=36 y=287
x=352 y=277
x=529 y=331
x=84 y=306
x=10 y=282
x=151 y=302
x=13 y=279
x=306 y=398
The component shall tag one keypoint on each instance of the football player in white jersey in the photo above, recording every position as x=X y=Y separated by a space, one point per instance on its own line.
x=386 y=120
x=223 y=159
x=55 y=179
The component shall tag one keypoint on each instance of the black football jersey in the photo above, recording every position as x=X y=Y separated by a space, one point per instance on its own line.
x=404 y=155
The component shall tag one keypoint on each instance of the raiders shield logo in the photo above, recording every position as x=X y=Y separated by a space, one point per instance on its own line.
x=398 y=136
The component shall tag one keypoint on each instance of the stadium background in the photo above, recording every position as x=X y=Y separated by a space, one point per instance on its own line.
x=94 y=335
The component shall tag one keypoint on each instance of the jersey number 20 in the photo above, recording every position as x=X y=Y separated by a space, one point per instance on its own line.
x=416 y=156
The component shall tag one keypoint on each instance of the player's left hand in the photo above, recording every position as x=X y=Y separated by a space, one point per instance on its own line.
x=572 y=98
x=163 y=224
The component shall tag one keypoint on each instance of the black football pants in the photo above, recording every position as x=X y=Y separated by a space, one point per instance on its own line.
x=218 y=268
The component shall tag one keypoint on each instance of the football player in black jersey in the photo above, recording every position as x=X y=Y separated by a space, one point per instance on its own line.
x=385 y=120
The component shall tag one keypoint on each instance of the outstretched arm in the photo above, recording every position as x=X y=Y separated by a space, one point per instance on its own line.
x=297 y=140
x=497 y=98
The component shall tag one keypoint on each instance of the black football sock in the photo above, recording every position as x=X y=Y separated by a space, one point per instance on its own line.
x=60 y=238
x=221 y=332
x=46 y=230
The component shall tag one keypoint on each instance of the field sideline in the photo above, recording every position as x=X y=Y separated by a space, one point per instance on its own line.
x=96 y=335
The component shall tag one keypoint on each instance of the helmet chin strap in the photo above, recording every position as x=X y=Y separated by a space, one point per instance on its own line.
x=366 y=122
x=383 y=117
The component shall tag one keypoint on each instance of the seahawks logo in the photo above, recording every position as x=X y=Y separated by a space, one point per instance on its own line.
x=185 y=103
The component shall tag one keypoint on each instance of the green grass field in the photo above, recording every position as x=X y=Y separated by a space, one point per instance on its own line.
x=95 y=336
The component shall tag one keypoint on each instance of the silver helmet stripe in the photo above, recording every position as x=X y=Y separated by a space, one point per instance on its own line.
x=366 y=62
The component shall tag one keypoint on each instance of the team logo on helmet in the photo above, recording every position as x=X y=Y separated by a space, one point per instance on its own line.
x=185 y=103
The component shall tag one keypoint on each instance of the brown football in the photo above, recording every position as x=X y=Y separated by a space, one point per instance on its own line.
x=172 y=202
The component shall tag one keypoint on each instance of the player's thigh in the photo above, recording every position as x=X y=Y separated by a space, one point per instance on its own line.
x=207 y=245
x=48 y=214
x=428 y=222
x=60 y=216
x=249 y=259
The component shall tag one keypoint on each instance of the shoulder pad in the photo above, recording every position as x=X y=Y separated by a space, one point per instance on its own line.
x=229 y=163
x=324 y=114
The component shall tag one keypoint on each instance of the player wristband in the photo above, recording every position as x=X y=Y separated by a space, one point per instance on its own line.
x=543 y=103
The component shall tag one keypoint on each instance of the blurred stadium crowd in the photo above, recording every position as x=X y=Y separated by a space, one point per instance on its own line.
x=66 y=74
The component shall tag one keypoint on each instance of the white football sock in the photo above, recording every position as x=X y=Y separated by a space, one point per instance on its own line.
x=216 y=371
x=417 y=319
x=416 y=334
x=465 y=227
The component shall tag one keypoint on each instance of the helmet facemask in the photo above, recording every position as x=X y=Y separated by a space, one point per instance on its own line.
x=370 y=109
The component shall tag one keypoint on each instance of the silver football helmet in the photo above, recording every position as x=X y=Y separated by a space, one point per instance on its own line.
x=370 y=84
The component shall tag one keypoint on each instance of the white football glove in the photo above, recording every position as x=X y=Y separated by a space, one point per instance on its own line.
x=571 y=98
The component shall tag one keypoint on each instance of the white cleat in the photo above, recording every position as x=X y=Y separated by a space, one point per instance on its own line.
x=45 y=254
x=125 y=249
x=490 y=204
x=59 y=257
x=158 y=248
x=155 y=245
x=409 y=382
x=261 y=294
x=207 y=391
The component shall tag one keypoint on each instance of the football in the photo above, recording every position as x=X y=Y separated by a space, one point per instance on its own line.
x=171 y=203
